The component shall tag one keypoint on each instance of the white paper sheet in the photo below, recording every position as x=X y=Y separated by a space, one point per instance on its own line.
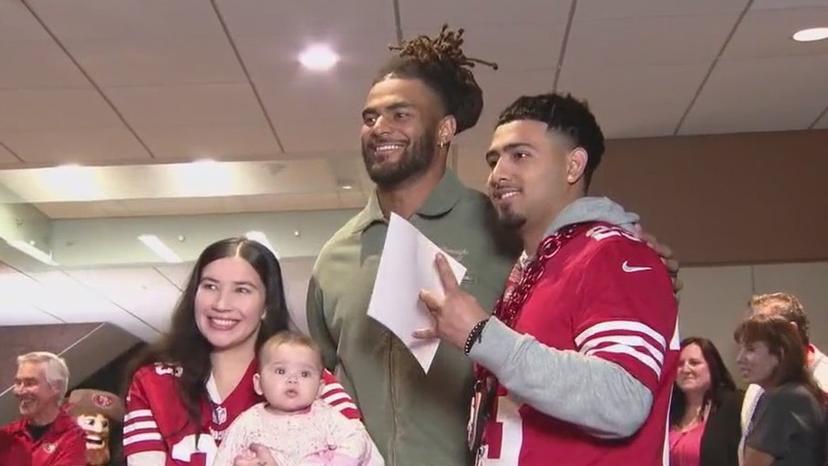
x=405 y=268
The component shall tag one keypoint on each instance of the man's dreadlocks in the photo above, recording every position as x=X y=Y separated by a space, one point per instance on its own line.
x=442 y=66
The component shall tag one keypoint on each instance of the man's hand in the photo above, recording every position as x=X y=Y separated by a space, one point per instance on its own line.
x=256 y=455
x=666 y=257
x=456 y=314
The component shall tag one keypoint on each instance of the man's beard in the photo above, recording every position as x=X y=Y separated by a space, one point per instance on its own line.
x=510 y=220
x=415 y=160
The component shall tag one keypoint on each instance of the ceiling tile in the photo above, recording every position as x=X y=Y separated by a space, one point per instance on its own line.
x=429 y=15
x=142 y=291
x=6 y=157
x=109 y=19
x=37 y=64
x=195 y=105
x=318 y=113
x=177 y=274
x=55 y=109
x=17 y=290
x=219 y=142
x=89 y=146
x=664 y=91
x=784 y=4
x=660 y=40
x=73 y=302
x=308 y=19
x=767 y=33
x=18 y=24
x=275 y=58
x=602 y=9
x=152 y=61
x=769 y=94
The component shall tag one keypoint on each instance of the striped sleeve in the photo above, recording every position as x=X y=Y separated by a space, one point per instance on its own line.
x=629 y=315
x=141 y=431
x=335 y=395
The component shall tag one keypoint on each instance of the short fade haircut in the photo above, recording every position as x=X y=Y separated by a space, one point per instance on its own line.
x=786 y=305
x=54 y=369
x=288 y=337
x=565 y=115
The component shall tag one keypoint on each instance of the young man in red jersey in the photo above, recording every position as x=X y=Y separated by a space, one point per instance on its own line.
x=578 y=359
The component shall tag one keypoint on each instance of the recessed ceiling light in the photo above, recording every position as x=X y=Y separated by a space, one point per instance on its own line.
x=811 y=35
x=347 y=187
x=318 y=57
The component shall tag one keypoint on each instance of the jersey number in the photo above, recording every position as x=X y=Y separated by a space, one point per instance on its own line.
x=202 y=454
x=505 y=438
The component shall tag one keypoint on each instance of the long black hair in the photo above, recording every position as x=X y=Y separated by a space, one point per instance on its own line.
x=184 y=345
x=721 y=382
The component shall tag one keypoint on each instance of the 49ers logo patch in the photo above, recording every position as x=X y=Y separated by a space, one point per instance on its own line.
x=103 y=401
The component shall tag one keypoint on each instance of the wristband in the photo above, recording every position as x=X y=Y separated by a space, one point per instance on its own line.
x=475 y=335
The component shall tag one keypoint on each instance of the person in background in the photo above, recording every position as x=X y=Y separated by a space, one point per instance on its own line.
x=704 y=412
x=45 y=429
x=788 y=424
x=791 y=309
x=190 y=386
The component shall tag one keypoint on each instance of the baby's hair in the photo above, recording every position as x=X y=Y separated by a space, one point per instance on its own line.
x=290 y=338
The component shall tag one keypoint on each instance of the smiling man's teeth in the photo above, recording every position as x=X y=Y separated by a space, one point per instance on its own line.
x=506 y=194
x=388 y=147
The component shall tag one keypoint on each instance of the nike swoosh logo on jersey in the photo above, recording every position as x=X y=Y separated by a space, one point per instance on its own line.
x=631 y=268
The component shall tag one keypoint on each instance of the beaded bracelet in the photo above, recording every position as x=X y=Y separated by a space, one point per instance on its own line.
x=475 y=335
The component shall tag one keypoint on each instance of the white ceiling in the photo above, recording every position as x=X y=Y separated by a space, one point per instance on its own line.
x=146 y=81
x=136 y=87
x=138 y=299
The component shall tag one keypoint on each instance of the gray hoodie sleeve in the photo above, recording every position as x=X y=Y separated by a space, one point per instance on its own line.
x=598 y=395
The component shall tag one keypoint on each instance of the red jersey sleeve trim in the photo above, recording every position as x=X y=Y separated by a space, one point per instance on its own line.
x=336 y=396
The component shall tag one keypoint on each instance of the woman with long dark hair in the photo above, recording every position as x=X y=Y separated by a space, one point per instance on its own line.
x=704 y=412
x=190 y=386
x=788 y=424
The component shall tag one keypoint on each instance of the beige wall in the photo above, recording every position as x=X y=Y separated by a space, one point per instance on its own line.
x=728 y=199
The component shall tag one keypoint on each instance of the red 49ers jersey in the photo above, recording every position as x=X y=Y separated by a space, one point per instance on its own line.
x=157 y=420
x=606 y=295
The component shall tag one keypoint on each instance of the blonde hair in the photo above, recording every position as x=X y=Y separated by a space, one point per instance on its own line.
x=288 y=337
x=54 y=368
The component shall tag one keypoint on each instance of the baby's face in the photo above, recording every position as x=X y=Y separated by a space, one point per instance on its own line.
x=290 y=377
